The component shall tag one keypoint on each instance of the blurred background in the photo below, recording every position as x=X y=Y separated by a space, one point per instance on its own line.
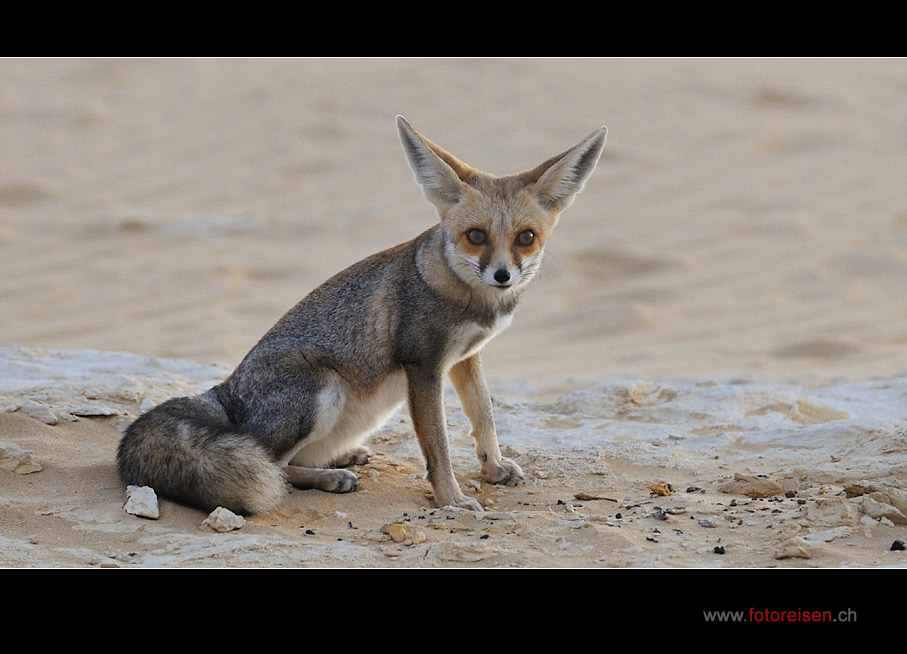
x=748 y=217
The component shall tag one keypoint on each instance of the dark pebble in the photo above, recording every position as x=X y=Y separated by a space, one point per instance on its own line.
x=618 y=515
x=898 y=546
x=560 y=502
x=484 y=537
x=309 y=532
x=692 y=489
x=719 y=549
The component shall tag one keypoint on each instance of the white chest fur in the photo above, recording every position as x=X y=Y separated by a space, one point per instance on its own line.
x=471 y=337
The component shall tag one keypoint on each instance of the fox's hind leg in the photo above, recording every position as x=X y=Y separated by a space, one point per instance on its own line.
x=469 y=382
x=332 y=480
x=358 y=456
x=308 y=463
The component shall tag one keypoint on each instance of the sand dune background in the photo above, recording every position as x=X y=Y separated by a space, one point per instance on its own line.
x=748 y=218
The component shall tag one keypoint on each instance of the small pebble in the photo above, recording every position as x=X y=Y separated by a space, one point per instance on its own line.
x=707 y=523
x=142 y=501
x=897 y=546
x=794 y=548
x=719 y=549
x=223 y=520
x=396 y=530
x=663 y=489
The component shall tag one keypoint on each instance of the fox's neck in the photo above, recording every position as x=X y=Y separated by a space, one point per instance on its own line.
x=487 y=304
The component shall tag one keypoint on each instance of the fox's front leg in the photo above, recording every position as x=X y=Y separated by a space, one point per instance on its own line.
x=469 y=381
x=426 y=406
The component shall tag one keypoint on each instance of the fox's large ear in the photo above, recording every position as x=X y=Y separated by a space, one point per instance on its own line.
x=442 y=176
x=558 y=180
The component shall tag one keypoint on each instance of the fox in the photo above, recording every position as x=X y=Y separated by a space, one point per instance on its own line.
x=385 y=331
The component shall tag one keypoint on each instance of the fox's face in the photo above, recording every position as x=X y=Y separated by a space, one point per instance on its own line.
x=496 y=227
x=496 y=236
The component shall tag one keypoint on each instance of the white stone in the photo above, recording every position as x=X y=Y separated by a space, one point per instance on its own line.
x=833 y=512
x=879 y=509
x=17 y=460
x=794 y=548
x=39 y=412
x=223 y=520
x=142 y=502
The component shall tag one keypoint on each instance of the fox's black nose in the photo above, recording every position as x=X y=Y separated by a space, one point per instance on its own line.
x=501 y=276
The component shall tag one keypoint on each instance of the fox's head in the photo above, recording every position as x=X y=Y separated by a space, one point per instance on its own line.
x=496 y=227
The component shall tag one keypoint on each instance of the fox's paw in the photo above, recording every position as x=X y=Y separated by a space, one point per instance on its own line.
x=455 y=497
x=340 y=481
x=505 y=471
x=468 y=503
x=356 y=457
x=332 y=480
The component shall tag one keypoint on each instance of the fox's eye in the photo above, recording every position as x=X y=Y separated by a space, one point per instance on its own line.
x=526 y=237
x=476 y=236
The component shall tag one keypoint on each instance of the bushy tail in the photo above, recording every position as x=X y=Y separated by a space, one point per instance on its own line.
x=188 y=451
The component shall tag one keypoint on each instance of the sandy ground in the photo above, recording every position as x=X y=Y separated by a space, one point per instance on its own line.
x=713 y=351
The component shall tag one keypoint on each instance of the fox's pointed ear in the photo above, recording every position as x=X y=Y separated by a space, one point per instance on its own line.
x=442 y=176
x=558 y=180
